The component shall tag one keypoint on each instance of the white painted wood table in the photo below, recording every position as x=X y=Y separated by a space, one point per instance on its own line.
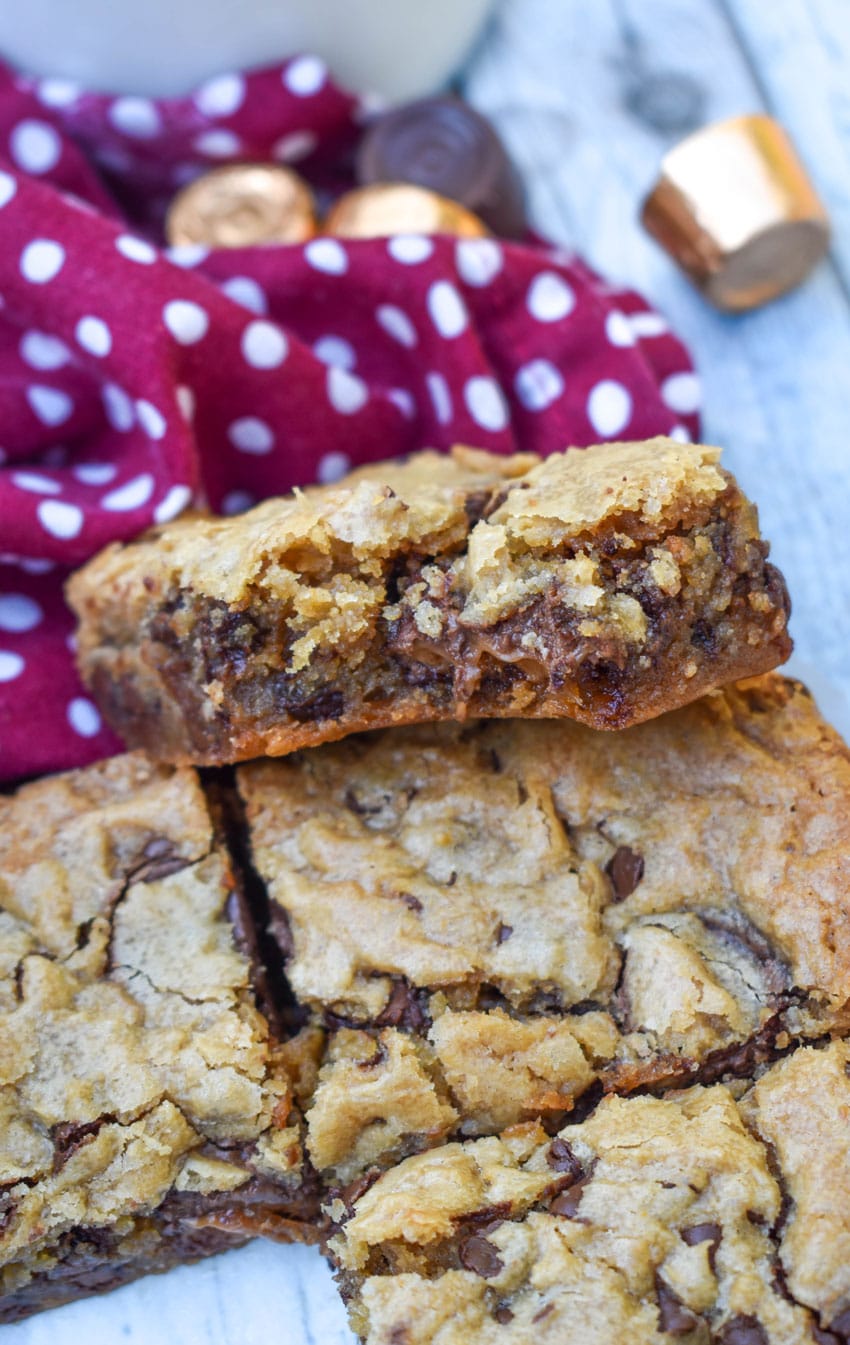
x=589 y=94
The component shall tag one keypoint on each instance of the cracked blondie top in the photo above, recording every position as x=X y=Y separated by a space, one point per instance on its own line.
x=499 y=921
x=707 y=1215
x=146 y=1113
x=604 y=585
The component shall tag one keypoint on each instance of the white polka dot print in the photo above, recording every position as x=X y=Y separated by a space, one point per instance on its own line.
x=11 y=665
x=332 y=467
x=52 y=406
x=60 y=519
x=410 y=249
x=8 y=187
x=151 y=419
x=221 y=96
x=251 y=435
x=335 y=350
x=403 y=399
x=136 y=117
x=136 y=249
x=328 y=255
x=218 y=144
x=647 y=324
x=94 y=473
x=681 y=434
x=35 y=146
x=118 y=407
x=485 y=402
x=397 y=324
x=264 y=346
x=447 y=309
x=618 y=329
x=538 y=384
x=187 y=254
x=132 y=495
x=305 y=76
x=84 y=717
x=186 y=401
x=244 y=290
x=294 y=147
x=441 y=397
x=18 y=613
x=40 y=350
x=236 y=502
x=479 y=260
x=57 y=92
x=187 y=321
x=550 y=298
x=682 y=393
x=609 y=407
x=172 y=504
x=29 y=564
x=41 y=260
x=37 y=484
x=346 y=392
x=94 y=336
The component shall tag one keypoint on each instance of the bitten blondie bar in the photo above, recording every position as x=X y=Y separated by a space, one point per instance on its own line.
x=499 y=921
x=146 y=1113
x=605 y=585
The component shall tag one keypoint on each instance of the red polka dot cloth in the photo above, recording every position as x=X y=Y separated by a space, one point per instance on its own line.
x=134 y=379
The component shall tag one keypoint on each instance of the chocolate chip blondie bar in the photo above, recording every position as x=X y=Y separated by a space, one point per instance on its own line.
x=147 y=1114
x=605 y=585
x=702 y=1216
x=500 y=921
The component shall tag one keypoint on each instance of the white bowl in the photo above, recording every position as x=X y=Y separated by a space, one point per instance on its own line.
x=398 y=49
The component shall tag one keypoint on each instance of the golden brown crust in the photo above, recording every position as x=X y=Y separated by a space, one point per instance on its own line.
x=606 y=585
x=654 y=1219
x=139 y=1087
x=544 y=908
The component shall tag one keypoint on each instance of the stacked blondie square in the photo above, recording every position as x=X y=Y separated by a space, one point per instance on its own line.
x=473 y=903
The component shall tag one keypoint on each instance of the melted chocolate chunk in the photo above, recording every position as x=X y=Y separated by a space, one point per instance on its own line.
x=698 y=1233
x=503 y=1315
x=560 y=1156
x=503 y=933
x=743 y=1330
x=625 y=869
x=68 y=1137
x=544 y=1312
x=480 y=1256
x=159 y=860
x=568 y=1202
x=821 y=1337
x=404 y=1008
x=326 y=705
x=674 y=1318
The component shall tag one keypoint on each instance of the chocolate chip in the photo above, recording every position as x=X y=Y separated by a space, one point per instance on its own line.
x=481 y=1257
x=567 y=1203
x=281 y=929
x=698 y=1233
x=503 y=933
x=841 y=1323
x=560 y=1156
x=404 y=1008
x=821 y=1337
x=625 y=869
x=412 y=903
x=400 y=1335
x=503 y=1315
x=544 y=1312
x=161 y=860
x=674 y=1318
x=69 y=1136
x=743 y=1330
